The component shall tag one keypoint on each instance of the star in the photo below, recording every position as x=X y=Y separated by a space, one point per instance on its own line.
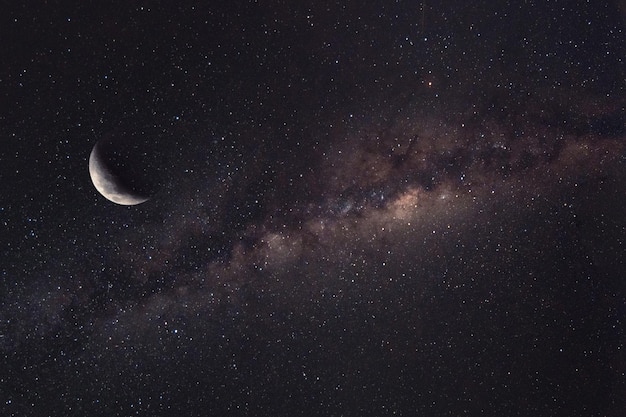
x=354 y=210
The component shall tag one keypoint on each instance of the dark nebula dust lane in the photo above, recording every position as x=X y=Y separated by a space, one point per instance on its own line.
x=384 y=209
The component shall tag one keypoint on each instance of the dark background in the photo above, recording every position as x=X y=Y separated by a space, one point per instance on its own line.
x=391 y=208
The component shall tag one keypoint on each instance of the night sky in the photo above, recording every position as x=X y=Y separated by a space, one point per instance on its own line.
x=385 y=208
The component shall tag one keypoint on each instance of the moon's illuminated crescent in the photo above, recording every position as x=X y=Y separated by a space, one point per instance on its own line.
x=108 y=185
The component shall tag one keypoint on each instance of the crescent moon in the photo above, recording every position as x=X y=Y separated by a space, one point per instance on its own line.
x=108 y=185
